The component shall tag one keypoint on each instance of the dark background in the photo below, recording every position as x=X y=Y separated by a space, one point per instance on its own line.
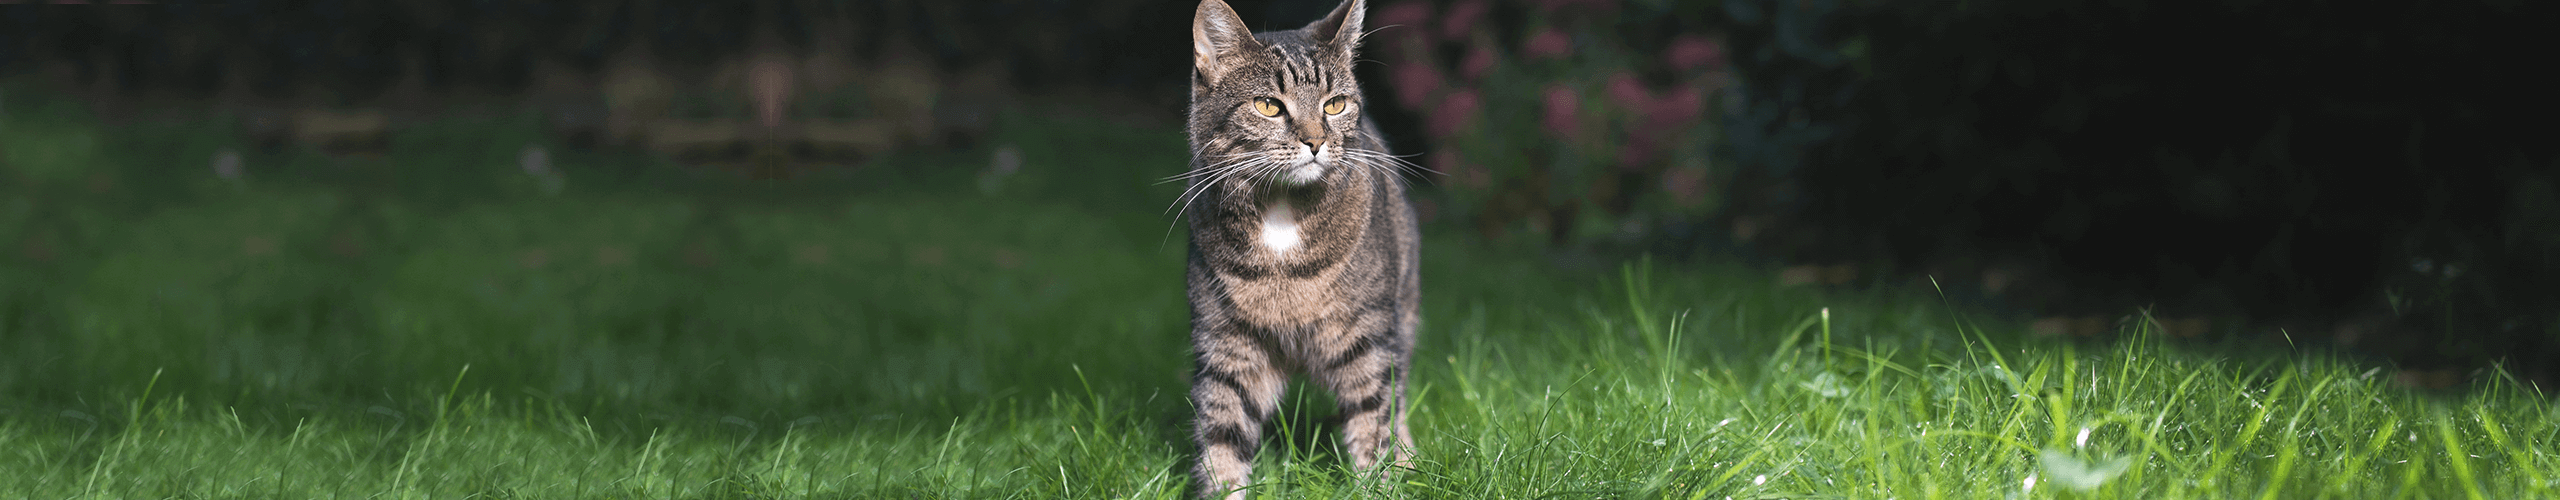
x=2376 y=176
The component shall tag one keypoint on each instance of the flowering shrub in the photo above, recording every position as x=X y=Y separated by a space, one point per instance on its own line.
x=1575 y=120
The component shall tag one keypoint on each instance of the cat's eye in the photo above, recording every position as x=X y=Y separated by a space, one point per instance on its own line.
x=1267 y=106
x=1334 y=107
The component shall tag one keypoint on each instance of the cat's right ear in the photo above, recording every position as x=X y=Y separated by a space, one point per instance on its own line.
x=1218 y=37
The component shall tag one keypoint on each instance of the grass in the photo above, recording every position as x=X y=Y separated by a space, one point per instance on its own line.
x=433 y=324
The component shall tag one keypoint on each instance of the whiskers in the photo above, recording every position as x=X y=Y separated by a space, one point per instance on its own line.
x=1251 y=165
x=1255 y=167
x=1392 y=165
x=1226 y=162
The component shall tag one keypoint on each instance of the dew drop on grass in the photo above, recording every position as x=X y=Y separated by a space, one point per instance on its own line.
x=1757 y=480
x=2079 y=475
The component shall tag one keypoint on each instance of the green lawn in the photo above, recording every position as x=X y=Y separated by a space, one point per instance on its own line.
x=437 y=324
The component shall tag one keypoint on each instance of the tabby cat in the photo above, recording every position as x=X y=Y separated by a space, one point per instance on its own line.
x=1303 y=247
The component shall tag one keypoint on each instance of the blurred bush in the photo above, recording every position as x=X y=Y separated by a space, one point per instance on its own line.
x=1572 y=121
x=2298 y=165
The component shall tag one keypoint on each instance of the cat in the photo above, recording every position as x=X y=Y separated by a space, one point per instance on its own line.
x=1304 y=248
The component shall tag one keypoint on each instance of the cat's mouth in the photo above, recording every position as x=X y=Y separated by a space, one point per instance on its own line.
x=1306 y=171
x=1308 y=167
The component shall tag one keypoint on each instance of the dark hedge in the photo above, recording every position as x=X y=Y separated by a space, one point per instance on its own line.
x=2301 y=163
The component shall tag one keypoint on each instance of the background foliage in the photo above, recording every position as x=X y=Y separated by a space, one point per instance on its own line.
x=2359 y=173
x=1576 y=122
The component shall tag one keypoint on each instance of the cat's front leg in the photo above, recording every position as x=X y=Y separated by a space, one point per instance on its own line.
x=1365 y=370
x=1234 y=391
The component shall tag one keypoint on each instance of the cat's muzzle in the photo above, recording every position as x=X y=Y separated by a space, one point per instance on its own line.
x=1308 y=169
x=1305 y=172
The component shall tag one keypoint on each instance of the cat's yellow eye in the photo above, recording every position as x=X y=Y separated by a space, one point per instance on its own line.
x=1334 y=107
x=1267 y=106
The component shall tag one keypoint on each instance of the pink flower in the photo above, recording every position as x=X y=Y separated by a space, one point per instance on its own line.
x=1693 y=52
x=1564 y=113
x=1549 y=43
x=1655 y=118
x=1477 y=63
x=1461 y=19
x=1677 y=109
x=1456 y=113
x=1416 y=81
x=1411 y=14
x=1636 y=151
x=1410 y=20
x=1629 y=93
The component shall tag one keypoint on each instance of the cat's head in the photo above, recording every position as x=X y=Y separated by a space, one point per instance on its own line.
x=1278 y=105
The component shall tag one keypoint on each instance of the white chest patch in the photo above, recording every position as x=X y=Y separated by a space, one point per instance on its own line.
x=1279 y=227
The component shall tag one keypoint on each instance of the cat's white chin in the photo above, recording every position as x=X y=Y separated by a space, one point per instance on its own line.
x=1302 y=174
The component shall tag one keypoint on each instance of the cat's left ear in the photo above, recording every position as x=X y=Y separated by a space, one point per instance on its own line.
x=1218 y=39
x=1341 y=30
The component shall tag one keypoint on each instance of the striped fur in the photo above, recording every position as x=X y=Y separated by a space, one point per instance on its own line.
x=1337 y=299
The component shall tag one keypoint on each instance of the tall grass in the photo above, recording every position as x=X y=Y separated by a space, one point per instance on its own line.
x=431 y=324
